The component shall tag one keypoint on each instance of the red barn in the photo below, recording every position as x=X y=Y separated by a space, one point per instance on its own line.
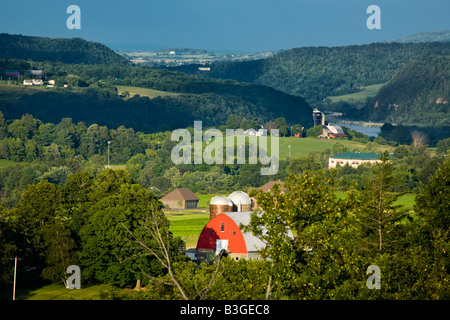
x=223 y=233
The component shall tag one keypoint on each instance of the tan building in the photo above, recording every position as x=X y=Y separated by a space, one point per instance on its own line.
x=181 y=198
x=266 y=188
x=353 y=159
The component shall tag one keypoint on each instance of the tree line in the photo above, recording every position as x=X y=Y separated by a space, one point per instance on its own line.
x=91 y=96
x=46 y=151
x=75 y=50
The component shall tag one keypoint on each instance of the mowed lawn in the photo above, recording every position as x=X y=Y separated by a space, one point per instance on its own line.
x=57 y=292
x=188 y=224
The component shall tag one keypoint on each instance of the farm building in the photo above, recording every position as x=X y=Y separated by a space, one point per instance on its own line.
x=353 y=159
x=181 y=198
x=236 y=201
x=12 y=73
x=332 y=132
x=266 y=188
x=318 y=117
x=269 y=185
x=37 y=73
x=223 y=232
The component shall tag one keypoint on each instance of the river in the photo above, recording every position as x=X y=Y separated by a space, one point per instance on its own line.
x=370 y=131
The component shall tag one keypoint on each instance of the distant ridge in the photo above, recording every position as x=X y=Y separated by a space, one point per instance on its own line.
x=70 y=51
x=434 y=36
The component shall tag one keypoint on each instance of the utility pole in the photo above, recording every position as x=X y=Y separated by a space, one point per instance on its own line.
x=15 y=277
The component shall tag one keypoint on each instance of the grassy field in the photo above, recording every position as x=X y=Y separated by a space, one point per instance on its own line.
x=369 y=91
x=6 y=163
x=145 y=92
x=302 y=146
x=188 y=224
x=204 y=198
x=58 y=292
x=407 y=201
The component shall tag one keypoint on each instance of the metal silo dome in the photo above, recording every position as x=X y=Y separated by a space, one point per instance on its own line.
x=241 y=201
x=219 y=201
x=241 y=196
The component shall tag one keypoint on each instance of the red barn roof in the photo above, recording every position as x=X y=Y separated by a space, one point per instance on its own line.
x=225 y=228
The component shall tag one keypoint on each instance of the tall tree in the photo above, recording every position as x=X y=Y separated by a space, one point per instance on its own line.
x=108 y=255
x=376 y=211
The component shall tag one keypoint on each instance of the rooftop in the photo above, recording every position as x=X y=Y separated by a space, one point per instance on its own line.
x=180 y=194
x=357 y=156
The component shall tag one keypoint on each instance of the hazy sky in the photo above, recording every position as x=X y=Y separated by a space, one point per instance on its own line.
x=225 y=25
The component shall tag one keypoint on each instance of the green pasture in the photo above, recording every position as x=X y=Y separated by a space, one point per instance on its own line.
x=145 y=92
x=188 y=224
x=361 y=96
x=6 y=163
x=56 y=291
x=300 y=147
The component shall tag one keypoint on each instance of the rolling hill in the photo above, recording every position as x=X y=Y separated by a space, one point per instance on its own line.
x=418 y=95
x=442 y=36
x=316 y=73
x=92 y=73
x=73 y=50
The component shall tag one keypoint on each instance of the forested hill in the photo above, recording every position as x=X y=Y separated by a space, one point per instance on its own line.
x=91 y=97
x=73 y=50
x=418 y=95
x=318 y=72
x=441 y=36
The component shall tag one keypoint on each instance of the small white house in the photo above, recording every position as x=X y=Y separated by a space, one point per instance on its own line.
x=253 y=132
x=37 y=82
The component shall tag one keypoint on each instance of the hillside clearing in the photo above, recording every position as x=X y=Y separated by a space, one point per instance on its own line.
x=361 y=96
x=145 y=92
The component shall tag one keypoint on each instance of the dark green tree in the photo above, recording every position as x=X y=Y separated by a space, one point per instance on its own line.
x=117 y=208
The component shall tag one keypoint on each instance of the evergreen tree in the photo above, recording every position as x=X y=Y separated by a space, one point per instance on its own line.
x=376 y=211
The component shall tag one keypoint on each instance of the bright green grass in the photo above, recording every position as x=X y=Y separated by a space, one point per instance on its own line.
x=59 y=292
x=188 y=226
x=146 y=92
x=205 y=198
x=302 y=146
x=6 y=163
x=369 y=91
x=407 y=200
